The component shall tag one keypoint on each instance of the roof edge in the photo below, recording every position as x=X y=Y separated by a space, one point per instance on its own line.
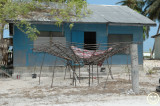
x=134 y=24
x=154 y=36
x=109 y=23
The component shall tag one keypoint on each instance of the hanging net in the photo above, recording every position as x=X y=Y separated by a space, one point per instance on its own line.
x=77 y=54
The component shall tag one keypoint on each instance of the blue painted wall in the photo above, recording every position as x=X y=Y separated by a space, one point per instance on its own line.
x=23 y=55
x=22 y=49
x=137 y=33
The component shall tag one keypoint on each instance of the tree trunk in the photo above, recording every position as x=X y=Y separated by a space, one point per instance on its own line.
x=1 y=32
x=154 y=41
x=1 y=43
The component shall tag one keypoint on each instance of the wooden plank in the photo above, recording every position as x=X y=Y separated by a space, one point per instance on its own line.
x=156 y=68
x=1 y=71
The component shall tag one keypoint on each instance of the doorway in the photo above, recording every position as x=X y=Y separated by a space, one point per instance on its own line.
x=90 y=40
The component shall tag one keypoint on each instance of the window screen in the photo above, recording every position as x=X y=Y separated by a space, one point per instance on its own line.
x=50 y=34
x=47 y=36
x=120 y=38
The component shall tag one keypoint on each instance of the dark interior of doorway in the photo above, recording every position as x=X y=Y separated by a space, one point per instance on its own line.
x=90 y=40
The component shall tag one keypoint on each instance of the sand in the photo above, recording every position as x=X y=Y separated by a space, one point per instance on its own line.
x=27 y=91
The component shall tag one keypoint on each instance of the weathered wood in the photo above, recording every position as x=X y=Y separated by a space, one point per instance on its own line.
x=156 y=68
x=79 y=73
x=89 y=75
x=41 y=68
x=109 y=68
x=59 y=50
x=65 y=72
x=74 y=75
x=53 y=72
x=67 y=52
x=128 y=70
x=1 y=71
x=134 y=68
x=97 y=75
x=92 y=73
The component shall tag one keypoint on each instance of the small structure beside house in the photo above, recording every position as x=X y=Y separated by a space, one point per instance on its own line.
x=157 y=46
x=107 y=24
x=6 y=54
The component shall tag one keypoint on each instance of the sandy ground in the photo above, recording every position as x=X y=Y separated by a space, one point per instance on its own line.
x=27 y=91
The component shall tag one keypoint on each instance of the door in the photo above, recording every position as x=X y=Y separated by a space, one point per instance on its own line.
x=90 y=40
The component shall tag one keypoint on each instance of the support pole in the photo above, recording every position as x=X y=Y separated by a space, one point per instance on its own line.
x=69 y=68
x=89 y=75
x=92 y=73
x=79 y=73
x=97 y=75
x=53 y=72
x=65 y=71
x=73 y=75
x=134 y=68
x=41 y=68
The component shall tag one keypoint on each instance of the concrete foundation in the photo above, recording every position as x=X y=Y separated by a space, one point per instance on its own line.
x=60 y=70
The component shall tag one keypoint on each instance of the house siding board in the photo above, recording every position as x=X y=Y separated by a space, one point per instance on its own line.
x=100 y=30
x=23 y=55
x=137 y=33
x=22 y=46
x=19 y=48
x=77 y=36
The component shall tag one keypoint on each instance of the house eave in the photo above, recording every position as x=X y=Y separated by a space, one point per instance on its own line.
x=133 y=24
x=109 y=23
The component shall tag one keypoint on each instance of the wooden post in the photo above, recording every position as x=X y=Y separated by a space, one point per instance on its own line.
x=134 y=68
x=52 y=76
x=92 y=73
x=97 y=75
x=73 y=74
x=53 y=72
x=89 y=75
x=65 y=72
x=79 y=73
x=41 y=68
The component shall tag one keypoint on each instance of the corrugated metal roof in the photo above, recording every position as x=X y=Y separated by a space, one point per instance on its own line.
x=115 y=15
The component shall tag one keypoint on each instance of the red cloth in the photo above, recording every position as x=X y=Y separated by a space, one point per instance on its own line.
x=86 y=54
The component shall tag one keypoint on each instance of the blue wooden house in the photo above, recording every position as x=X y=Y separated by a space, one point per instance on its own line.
x=107 y=24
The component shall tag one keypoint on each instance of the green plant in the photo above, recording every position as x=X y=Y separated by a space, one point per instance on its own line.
x=151 y=71
x=19 y=11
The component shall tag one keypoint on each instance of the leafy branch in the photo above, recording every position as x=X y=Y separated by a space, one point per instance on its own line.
x=21 y=12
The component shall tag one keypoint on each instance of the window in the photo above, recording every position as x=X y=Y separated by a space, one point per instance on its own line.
x=120 y=38
x=47 y=36
x=11 y=30
x=50 y=34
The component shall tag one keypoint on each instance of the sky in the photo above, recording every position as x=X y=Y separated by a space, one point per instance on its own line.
x=147 y=43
